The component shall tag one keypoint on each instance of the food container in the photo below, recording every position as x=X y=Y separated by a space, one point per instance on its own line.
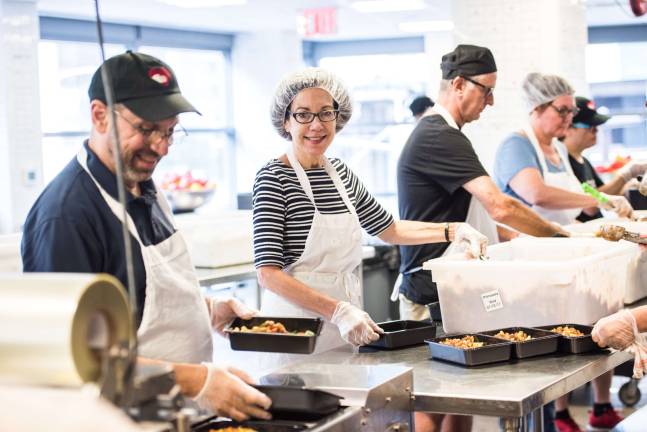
x=275 y=342
x=398 y=334
x=493 y=351
x=531 y=282
x=636 y=286
x=216 y=424
x=541 y=342
x=300 y=403
x=576 y=344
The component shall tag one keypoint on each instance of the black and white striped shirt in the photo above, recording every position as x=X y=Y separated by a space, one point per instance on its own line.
x=283 y=212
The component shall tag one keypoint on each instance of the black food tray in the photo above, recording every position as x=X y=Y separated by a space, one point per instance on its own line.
x=494 y=351
x=276 y=342
x=299 y=403
x=541 y=342
x=257 y=425
x=398 y=334
x=577 y=344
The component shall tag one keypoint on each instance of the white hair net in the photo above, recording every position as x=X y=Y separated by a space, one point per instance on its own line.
x=540 y=89
x=293 y=83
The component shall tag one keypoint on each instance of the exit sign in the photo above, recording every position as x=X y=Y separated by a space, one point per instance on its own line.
x=320 y=21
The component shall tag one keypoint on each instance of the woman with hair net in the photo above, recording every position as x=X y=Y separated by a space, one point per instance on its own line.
x=309 y=211
x=532 y=166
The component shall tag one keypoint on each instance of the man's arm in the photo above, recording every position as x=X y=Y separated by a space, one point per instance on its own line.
x=614 y=186
x=507 y=210
x=59 y=245
x=223 y=389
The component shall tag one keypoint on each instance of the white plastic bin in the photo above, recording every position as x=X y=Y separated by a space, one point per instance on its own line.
x=532 y=282
x=636 y=288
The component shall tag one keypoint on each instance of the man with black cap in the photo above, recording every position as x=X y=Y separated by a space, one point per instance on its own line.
x=583 y=135
x=419 y=105
x=439 y=175
x=76 y=226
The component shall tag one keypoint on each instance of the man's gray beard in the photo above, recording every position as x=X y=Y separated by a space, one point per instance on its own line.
x=135 y=177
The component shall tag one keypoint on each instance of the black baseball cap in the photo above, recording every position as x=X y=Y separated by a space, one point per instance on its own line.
x=468 y=61
x=144 y=84
x=588 y=114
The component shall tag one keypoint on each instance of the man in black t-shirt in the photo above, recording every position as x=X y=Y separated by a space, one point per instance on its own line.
x=439 y=173
x=583 y=135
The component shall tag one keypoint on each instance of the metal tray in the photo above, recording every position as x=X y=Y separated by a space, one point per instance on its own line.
x=214 y=424
x=577 y=344
x=276 y=342
x=399 y=334
x=542 y=342
x=494 y=351
x=300 y=403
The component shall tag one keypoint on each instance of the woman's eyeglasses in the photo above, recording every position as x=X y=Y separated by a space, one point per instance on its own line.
x=304 y=117
x=565 y=111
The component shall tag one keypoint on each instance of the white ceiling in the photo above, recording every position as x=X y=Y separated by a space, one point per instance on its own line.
x=266 y=15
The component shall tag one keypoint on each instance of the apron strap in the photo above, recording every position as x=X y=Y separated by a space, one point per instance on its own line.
x=301 y=176
x=330 y=170
x=117 y=208
x=530 y=134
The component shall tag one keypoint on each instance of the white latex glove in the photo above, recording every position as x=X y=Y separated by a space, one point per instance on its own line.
x=643 y=185
x=223 y=311
x=475 y=242
x=227 y=392
x=620 y=331
x=618 y=204
x=632 y=169
x=615 y=331
x=355 y=326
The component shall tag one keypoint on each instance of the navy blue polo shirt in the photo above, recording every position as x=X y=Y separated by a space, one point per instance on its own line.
x=70 y=228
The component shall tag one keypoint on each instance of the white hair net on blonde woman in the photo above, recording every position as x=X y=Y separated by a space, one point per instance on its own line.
x=293 y=83
x=539 y=89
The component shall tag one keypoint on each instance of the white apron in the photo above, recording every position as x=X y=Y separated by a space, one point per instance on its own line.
x=330 y=259
x=175 y=324
x=563 y=180
x=477 y=216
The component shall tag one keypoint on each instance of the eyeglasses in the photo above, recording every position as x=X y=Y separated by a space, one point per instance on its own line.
x=565 y=111
x=154 y=135
x=487 y=91
x=305 y=117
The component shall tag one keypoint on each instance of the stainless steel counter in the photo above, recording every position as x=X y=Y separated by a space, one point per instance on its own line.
x=512 y=389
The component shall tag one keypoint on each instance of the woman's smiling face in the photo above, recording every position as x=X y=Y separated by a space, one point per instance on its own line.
x=310 y=140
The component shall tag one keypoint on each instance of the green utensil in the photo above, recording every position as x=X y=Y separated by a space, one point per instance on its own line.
x=588 y=189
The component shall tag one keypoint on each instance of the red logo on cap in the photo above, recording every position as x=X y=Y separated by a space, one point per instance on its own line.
x=590 y=105
x=160 y=75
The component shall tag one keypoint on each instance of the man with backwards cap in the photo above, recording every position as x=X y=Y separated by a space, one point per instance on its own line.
x=75 y=226
x=582 y=135
x=440 y=178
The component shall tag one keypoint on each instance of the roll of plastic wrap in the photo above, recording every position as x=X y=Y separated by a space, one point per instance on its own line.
x=52 y=326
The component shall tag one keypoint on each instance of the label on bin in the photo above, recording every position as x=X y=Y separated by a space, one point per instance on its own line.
x=492 y=300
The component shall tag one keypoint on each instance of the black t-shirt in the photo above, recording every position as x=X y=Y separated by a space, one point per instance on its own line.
x=586 y=173
x=436 y=162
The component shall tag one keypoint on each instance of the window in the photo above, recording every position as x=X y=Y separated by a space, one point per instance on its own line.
x=616 y=74
x=65 y=72
x=200 y=60
x=382 y=86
